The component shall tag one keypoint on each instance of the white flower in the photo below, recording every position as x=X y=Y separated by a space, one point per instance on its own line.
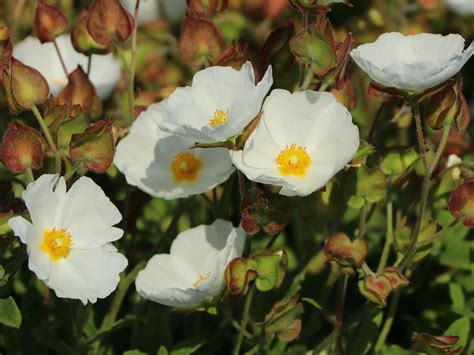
x=105 y=69
x=68 y=241
x=302 y=141
x=148 y=10
x=414 y=63
x=164 y=165
x=461 y=7
x=193 y=271
x=220 y=103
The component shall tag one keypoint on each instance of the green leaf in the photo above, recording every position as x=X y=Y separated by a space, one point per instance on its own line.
x=371 y=184
x=397 y=350
x=162 y=351
x=365 y=149
x=457 y=250
x=396 y=163
x=461 y=329
x=10 y=315
x=367 y=332
x=134 y=352
x=46 y=336
x=457 y=297
x=187 y=347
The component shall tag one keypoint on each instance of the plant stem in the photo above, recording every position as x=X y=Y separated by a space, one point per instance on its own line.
x=48 y=137
x=29 y=174
x=245 y=320
x=388 y=322
x=71 y=172
x=89 y=64
x=441 y=146
x=341 y=297
x=388 y=238
x=63 y=64
x=131 y=74
x=362 y=222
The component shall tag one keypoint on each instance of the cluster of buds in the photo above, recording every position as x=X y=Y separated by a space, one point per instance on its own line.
x=265 y=267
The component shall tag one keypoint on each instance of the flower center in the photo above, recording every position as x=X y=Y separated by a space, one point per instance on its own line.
x=56 y=243
x=220 y=118
x=201 y=279
x=293 y=160
x=186 y=166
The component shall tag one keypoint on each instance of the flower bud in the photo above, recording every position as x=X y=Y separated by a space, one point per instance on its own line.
x=200 y=42
x=276 y=50
x=24 y=86
x=207 y=7
x=461 y=202
x=95 y=147
x=397 y=279
x=6 y=46
x=22 y=148
x=447 y=106
x=108 y=22
x=80 y=91
x=82 y=41
x=345 y=252
x=234 y=56
x=376 y=288
x=284 y=319
x=49 y=23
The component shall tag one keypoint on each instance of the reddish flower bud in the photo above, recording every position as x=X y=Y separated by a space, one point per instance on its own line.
x=234 y=56
x=461 y=202
x=6 y=47
x=49 y=23
x=207 y=7
x=274 y=8
x=342 y=250
x=108 y=21
x=284 y=319
x=82 y=41
x=80 y=91
x=200 y=41
x=24 y=86
x=238 y=276
x=376 y=288
x=95 y=147
x=276 y=49
x=22 y=148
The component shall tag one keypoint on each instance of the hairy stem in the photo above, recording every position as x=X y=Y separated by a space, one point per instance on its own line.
x=388 y=238
x=131 y=74
x=48 y=137
x=245 y=320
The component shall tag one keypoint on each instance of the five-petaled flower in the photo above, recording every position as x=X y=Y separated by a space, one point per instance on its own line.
x=193 y=271
x=301 y=142
x=69 y=237
x=220 y=103
x=164 y=165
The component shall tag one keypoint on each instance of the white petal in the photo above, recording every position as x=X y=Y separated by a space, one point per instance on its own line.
x=43 y=202
x=461 y=7
x=87 y=274
x=89 y=215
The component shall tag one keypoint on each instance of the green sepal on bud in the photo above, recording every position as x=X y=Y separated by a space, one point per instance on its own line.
x=49 y=22
x=108 y=22
x=80 y=91
x=284 y=320
x=95 y=147
x=431 y=344
x=266 y=267
x=200 y=42
x=448 y=106
x=24 y=86
x=22 y=148
x=461 y=202
x=345 y=252
x=81 y=39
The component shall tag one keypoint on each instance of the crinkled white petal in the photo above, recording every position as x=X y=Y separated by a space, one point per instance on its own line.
x=461 y=7
x=203 y=251
x=87 y=275
x=414 y=62
x=105 y=69
x=89 y=215
x=307 y=119
x=216 y=88
x=146 y=154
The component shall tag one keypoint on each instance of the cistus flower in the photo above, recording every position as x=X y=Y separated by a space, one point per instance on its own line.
x=302 y=140
x=164 y=165
x=69 y=237
x=220 y=103
x=461 y=7
x=193 y=271
x=105 y=69
x=413 y=63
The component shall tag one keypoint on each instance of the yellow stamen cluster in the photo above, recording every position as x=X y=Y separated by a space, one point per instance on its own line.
x=186 y=166
x=293 y=160
x=56 y=243
x=220 y=118
x=201 y=279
